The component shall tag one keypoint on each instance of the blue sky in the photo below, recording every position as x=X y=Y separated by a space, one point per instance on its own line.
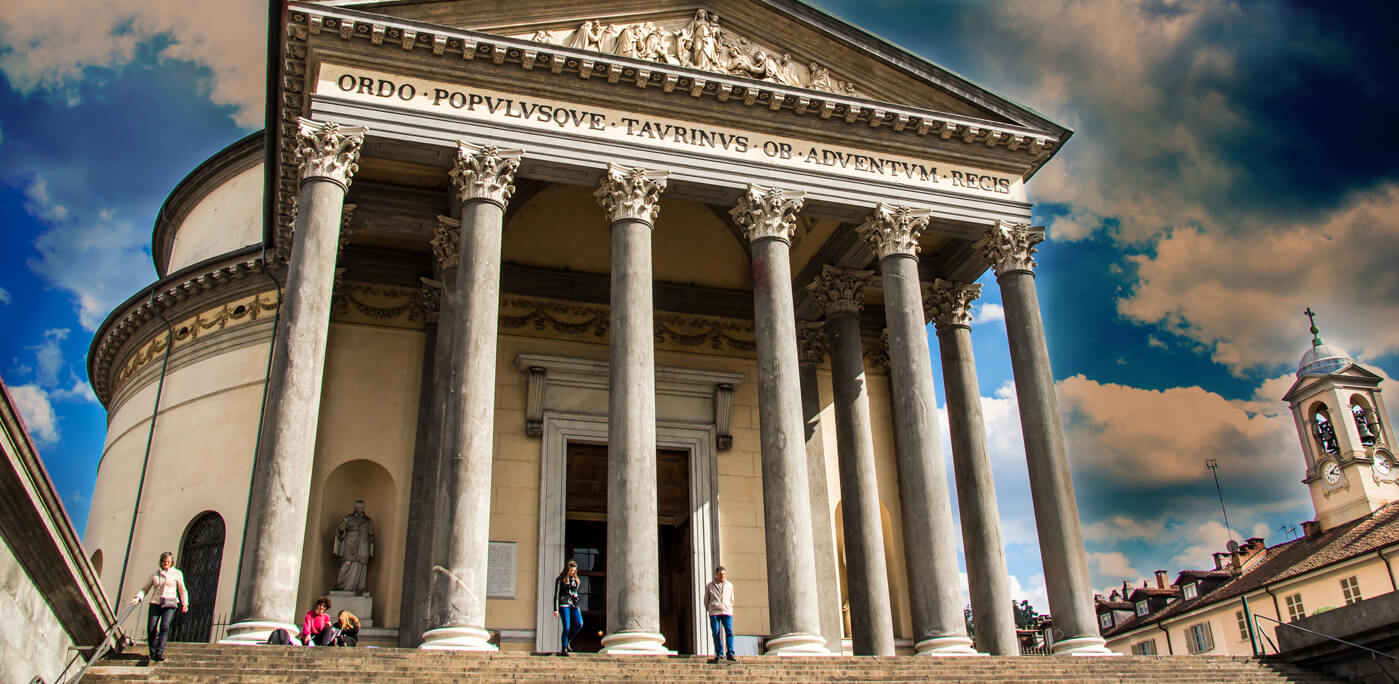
x=1229 y=169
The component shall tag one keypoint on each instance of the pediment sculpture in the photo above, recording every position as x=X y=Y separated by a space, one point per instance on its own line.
x=700 y=43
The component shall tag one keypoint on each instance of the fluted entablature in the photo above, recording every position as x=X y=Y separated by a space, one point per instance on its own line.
x=768 y=212
x=485 y=173
x=894 y=229
x=1010 y=247
x=628 y=193
x=327 y=150
x=948 y=304
x=840 y=290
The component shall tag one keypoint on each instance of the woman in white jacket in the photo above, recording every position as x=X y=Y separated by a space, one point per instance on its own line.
x=165 y=592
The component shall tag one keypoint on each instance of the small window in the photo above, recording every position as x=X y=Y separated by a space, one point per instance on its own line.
x=1190 y=591
x=1147 y=647
x=1243 y=625
x=1105 y=620
x=1198 y=638
x=1350 y=589
x=1295 y=611
x=1142 y=609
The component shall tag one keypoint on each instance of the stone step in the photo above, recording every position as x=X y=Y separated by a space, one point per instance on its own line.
x=215 y=663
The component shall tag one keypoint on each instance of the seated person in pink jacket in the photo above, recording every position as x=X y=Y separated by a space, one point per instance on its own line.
x=316 y=627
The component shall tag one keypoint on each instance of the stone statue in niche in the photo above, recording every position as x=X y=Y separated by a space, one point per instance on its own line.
x=699 y=43
x=354 y=546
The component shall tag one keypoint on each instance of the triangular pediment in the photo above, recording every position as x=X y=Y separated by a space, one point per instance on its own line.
x=1353 y=374
x=783 y=42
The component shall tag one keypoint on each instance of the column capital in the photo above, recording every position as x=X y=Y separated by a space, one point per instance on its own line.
x=811 y=342
x=446 y=238
x=894 y=229
x=1010 y=247
x=840 y=290
x=949 y=303
x=485 y=173
x=431 y=303
x=327 y=150
x=631 y=193
x=768 y=212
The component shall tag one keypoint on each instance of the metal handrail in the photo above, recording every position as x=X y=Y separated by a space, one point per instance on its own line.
x=1372 y=651
x=101 y=649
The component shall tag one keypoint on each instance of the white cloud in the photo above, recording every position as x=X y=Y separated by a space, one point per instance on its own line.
x=1122 y=527
x=1242 y=295
x=99 y=260
x=989 y=312
x=78 y=390
x=5 y=296
x=1035 y=592
x=33 y=405
x=1113 y=565
x=52 y=44
x=1210 y=537
x=49 y=356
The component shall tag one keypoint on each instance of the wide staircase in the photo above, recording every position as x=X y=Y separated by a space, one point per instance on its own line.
x=214 y=663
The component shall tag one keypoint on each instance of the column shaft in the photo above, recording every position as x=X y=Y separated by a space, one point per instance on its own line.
x=792 y=591
x=822 y=531
x=422 y=502
x=976 y=496
x=270 y=572
x=871 y=618
x=1051 y=483
x=938 y=622
x=633 y=581
x=459 y=580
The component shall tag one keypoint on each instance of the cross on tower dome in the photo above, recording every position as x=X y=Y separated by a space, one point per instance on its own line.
x=1322 y=358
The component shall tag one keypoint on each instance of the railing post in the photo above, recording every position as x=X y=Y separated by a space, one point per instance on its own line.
x=1252 y=627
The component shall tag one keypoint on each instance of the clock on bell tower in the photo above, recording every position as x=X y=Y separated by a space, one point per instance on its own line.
x=1346 y=437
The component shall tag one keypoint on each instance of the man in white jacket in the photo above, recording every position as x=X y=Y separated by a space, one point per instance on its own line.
x=719 y=601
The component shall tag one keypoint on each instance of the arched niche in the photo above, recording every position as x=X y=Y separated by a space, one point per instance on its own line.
x=896 y=605
x=366 y=480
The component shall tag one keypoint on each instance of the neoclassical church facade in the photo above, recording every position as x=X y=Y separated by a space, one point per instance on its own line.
x=642 y=285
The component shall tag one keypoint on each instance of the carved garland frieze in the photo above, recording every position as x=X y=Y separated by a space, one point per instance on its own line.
x=217 y=319
x=701 y=43
x=388 y=305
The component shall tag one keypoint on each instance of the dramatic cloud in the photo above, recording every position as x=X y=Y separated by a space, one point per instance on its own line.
x=33 y=405
x=51 y=45
x=49 y=356
x=1113 y=565
x=1243 y=295
x=99 y=259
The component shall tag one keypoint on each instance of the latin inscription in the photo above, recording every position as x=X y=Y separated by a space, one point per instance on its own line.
x=482 y=104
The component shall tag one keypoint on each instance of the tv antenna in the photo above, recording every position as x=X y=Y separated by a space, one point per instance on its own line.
x=1213 y=465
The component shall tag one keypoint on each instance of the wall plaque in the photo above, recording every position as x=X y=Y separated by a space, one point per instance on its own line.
x=500 y=571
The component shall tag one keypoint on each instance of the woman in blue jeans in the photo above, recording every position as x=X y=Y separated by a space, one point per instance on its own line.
x=566 y=604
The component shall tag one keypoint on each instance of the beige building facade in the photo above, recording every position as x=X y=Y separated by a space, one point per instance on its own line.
x=641 y=285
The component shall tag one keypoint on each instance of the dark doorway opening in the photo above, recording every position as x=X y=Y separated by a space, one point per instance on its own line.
x=201 y=556
x=585 y=541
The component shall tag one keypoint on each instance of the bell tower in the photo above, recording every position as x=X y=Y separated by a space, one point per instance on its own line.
x=1347 y=440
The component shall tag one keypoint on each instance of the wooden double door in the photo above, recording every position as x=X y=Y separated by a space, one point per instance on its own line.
x=585 y=541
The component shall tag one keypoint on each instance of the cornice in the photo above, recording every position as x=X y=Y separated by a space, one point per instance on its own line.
x=167 y=295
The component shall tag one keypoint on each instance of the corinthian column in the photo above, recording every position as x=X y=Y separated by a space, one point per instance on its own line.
x=938 y=624
x=1010 y=249
x=840 y=292
x=270 y=571
x=949 y=306
x=811 y=350
x=483 y=177
x=768 y=217
x=632 y=199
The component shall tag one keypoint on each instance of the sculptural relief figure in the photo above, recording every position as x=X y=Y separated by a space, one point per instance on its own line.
x=354 y=546
x=784 y=71
x=587 y=37
x=699 y=43
x=629 y=41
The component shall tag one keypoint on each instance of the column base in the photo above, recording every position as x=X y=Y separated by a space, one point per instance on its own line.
x=627 y=642
x=797 y=644
x=457 y=639
x=1083 y=646
x=955 y=646
x=254 y=632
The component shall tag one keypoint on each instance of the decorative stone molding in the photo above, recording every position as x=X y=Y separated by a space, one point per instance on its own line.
x=554 y=319
x=536 y=378
x=768 y=212
x=373 y=303
x=328 y=151
x=446 y=243
x=347 y=215
x=894 y=229
x=949 y=304
x=1010 y=247
x=431 y=302
x=631 y=193
x=811 y=342
x=701 y=44
x=723 y=415
x=485 y=173
x=877 y=352
x=840 y=290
